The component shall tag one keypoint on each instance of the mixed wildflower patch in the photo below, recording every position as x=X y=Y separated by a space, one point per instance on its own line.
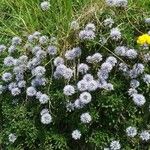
x=95 y=94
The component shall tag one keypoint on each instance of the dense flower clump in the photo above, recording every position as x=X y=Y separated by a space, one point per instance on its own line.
x=92 y=90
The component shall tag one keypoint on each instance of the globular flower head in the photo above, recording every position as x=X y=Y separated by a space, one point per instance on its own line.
x=44 y=99
x=86 y=118
x=12 y=85
x=44 y=111
x=46 y=118
x=146 y=57
x=39 y=71
x=96 y=58
x=134 y=83
x=108 y=87
x=22 y=84
x=131 y=131
x=16 y=40
x=112 y=60
x=147 y=20
x=145 y=135
x=31 y=91
x=121 y=3
x=12 y=49
x=83 y=68
x=70 y=106
x=85 y=97
x=9 y=61
x=38 y=81
x=52 y=50
x=77 y=51
x=58 y=61
x=146 y=78
x=110 y=2
x=139 y=68
x=115 y=34
x=45 y=5
x=38 y=94
x=108 y=22
x=7 y=76
x=41 y=55
x=131 y=53
x=43 y=40
x=115 y=145
x=12 y=137
x=74 y=25
x=78 y=104
x=35 y=49
x=15 y=91
x=87 y=35
x=106 y=67
x=70 y=55
x=68 y=90
x=68 y=73
x=90 y=26
x=121 y=50
x=2 y=48
x=92 y=85
x=88 y=77
x=132 y=91
x=82 y=85
x=139 y=99
x=76 y=134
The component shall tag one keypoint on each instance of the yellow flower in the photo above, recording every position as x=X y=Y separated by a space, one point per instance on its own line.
x=143 y=39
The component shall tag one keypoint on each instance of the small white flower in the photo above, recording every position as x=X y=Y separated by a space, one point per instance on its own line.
x=16 y=40
x=115 y=145
x=31 y=91
x=139 y=99
x=45 y=5
x=86 y=118
x=44 y=99
x=146 y=78
x=87 y=35
x=108 y=22
x=76 y=134
x=121 y=50
x=83 y=68
x=74 y=25
x=92 y=85
x=52 y=50
x=15 y=91
x=131 y=53
x=115 y=34
x=44 y=111
x=147 y=20
x=106 y=67
x=132 y=91
x=7 y=76
x=69 y=90
x=145 y=135
x=12 y=137
x=85 y=97
x=82 y=85
x=90 y=26
x=9 y=61
x=88 y=77
x=58 y=61
x=39 y=71
x=46 y=118
x=131 y=131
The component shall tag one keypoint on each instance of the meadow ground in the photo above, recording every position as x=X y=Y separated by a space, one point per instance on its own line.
x=24 y=17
